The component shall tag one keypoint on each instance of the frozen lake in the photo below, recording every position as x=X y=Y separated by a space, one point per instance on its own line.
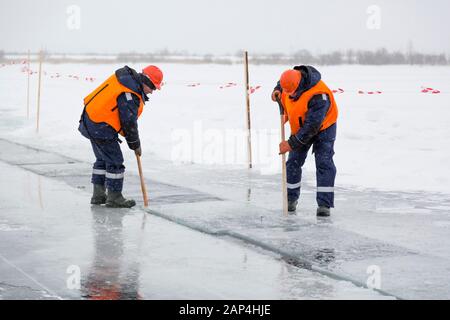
x=392 y=194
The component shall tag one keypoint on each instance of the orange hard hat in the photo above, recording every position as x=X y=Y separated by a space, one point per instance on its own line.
x=290 y=80
x=154 y=74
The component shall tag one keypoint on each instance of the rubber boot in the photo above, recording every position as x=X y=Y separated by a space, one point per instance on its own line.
x=323 y=212
x=116 y=200
x=292 y=206
x=99 y=196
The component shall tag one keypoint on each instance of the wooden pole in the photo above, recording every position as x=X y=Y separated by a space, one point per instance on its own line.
x=28 y=85
x=39 y=91
x=283 y=161
x=247 y=98
x=141 y=176
x=41 y=203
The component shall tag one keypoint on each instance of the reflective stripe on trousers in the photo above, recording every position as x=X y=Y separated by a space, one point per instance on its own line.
x=325 y=189
x=99 y=172
x=114 y=175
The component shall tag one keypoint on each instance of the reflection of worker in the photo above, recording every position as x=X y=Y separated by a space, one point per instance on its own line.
x=109 y=277
x=111 y=109
x=312 y=113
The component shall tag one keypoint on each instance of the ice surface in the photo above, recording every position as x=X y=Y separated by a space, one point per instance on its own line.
x=392 y=191
x=128 y=254
x=319 y=245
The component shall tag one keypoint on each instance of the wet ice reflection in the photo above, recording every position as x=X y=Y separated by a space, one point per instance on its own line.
x=111 y=277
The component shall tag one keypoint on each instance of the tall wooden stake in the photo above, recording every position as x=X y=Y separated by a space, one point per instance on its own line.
x=28 y=85
x=283 y=161
x=247 y=97
x=141 y=176
x=39 y=91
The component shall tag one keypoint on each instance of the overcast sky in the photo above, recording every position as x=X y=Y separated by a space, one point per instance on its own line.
x=202 y=26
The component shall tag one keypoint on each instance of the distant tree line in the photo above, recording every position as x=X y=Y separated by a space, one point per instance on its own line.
x=362 y=57
x=358 y=57
x=172 y=57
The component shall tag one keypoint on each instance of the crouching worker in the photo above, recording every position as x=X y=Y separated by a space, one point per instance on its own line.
x=312 y=113
x=112 y=109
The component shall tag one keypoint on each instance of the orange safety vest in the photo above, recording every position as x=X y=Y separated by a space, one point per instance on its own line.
x=296 y=110
x=101 y=104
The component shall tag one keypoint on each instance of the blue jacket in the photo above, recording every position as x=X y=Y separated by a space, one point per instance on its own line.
x=128 y=113
x=317 y=107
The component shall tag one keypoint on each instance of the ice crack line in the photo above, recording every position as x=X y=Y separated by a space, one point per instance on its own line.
x=30 y=277
x=17 y=286
x=300 y=262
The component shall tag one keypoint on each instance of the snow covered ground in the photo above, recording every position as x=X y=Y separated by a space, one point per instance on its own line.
x=392 y=188
x=391 y=141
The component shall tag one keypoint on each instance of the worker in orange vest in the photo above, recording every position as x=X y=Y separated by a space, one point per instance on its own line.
x=311 y=110
x=111 y=109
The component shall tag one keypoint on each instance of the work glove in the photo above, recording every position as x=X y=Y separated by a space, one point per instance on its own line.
x=138 y=151
x=276 y=94
x=285 y=147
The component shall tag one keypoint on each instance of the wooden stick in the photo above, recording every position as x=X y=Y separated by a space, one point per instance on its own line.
x=28 y=85
x=247 y=98
x=39 y=91
x=141 y=176
x=41 y=203
x=283 y=161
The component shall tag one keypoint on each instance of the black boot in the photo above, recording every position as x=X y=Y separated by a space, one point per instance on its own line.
x=292 y=206
x=99 y=196
x=323 y=211
x=116 y=200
